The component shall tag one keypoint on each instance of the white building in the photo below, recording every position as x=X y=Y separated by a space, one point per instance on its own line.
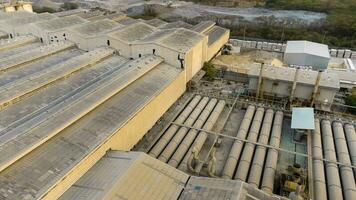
x=305 y=53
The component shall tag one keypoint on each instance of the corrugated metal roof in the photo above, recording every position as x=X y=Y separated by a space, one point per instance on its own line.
x=135 y=175
x=182 y=39
x=203 y=26
x=303 y=118
x=96 y=27
x=156 y=22
x=307 y=47
x=215 y=33
x=35 y=173
x=60 y=23
x=30 y=19
x=134 y=32
x=177 y=24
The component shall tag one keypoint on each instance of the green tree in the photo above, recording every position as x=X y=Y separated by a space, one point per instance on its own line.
x=351 y=101
x=209 y=70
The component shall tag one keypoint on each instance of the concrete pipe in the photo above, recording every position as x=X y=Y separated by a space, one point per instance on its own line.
x=197 y=145
x=169 y=133
x=347 y=175
x=269 y=172
x=319 y=182
x=177 y=139
x=235 y=151
x=260 y=154
x=332 y=171
x=247 y=153
x=189 y=139
x=351 y=143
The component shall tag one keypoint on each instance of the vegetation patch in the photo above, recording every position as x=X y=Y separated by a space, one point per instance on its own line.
x=210 y=70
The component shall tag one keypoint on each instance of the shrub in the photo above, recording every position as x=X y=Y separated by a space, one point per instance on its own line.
x=351 y=101
x=210 y=70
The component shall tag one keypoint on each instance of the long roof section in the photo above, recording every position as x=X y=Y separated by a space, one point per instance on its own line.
x=96 y=27
x=60 y=23
x=134 y=32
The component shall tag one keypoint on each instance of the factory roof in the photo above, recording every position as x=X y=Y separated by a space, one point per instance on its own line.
x=347 y=78
x=34 y=174
x=114 y=16
x=182 y=39
x=70 y=12
x=215 y=33
x=307 y=47
x=177 y=24
x=156 y=22
x=60 y=23
x=96 y=27
x=128 y=21
x=129 y=175
x=203 y=26
x=303 y=118
x=135 y=175
x=88 y=15
x=157 y=36
x=13 y=15
x=305 y=76
x=29 y=19
x=133 y=32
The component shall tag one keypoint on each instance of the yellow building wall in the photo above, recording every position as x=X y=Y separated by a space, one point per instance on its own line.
x=10 y=9
x=27 y=7
x=126 y=137
x=215 y=47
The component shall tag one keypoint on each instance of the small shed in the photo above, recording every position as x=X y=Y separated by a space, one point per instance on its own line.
x=303 y=118
x=302 y=121
x=305 y=53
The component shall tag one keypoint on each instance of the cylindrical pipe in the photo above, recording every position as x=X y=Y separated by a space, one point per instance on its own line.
x=197 y=145
x=332 y=171
x=319 y=182
x=269 y=172
x=178 y=137
x=188 y=140
x=351 y=143
x=235 y=151
x=169 y=133
x=260 y=154
x=247 y=153
x=347 y=176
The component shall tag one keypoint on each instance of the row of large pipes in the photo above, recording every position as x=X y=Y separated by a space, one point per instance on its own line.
x=200 y=114
x=202 y=136
x=235 y=151
x=169 y=133
x=260 y=154
x=269 y=172
x=192 y=134
x=319 y=182
x=332 y=171
x=247 y=154
x=252 y=172
x=347 y=175
x=351 y=143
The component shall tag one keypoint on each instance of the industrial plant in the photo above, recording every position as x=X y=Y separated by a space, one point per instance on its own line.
x=97 y=105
